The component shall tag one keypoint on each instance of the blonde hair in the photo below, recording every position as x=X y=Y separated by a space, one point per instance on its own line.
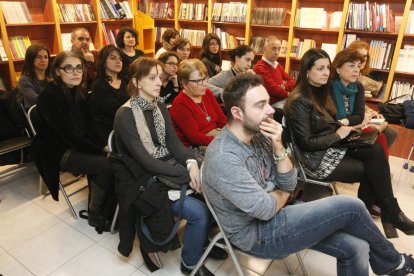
x=188 y=66
x=360 y=44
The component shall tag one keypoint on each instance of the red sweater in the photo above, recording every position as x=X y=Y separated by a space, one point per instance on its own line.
x=190 y=121
x=273 y=78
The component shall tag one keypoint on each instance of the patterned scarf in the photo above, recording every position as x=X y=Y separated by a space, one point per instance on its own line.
x=339 y=91
x=139 y=105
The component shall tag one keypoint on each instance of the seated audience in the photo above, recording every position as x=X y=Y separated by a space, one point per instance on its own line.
x=241 y=57
x=81 y=40
x=196 y=115
x=277 y=82
x=144 y=132
x=311 y=113
x=363 y=48
x=109 y=89
x=168 y=38
x=68 y=139
x=211 y=54
x=182 y=48
x=348 y=93
x=170 y=86
x=35 y=75
x=248 y=177
x=127 y=40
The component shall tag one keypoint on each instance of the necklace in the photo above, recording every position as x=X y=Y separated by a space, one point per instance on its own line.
x=204 y=110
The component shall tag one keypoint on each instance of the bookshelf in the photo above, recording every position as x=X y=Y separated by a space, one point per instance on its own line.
x=48 y=26
x=332 y=33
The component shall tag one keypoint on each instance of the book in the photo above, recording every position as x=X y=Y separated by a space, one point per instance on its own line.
x=17 y=12
x=195 y=37
x=18 y=46
x=370 y=16
x=3 y=55
x=330 y=49
x=268 y=16
x=315 y=18
x=76 y=12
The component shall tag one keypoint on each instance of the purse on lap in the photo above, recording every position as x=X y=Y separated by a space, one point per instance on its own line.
x=357 y=139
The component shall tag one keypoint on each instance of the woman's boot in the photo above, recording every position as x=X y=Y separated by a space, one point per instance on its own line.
x=96 y=217
x=393 y=218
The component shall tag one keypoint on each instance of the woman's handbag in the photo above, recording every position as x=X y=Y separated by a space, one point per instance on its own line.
x=357 y=139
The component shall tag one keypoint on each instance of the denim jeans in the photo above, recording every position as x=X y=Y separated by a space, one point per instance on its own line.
x=339 y=226
x=195 y=234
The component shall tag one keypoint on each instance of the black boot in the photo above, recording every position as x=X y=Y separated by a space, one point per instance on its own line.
x=392 y=217
x=96 y=217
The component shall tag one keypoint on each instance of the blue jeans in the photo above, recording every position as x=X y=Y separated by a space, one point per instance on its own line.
x=339 y=226
x=195 y=234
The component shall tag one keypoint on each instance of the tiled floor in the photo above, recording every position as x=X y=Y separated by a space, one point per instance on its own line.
x=39 y=236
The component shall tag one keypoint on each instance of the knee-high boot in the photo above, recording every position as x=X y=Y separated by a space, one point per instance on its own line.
x=392 y=217
x=97 y=199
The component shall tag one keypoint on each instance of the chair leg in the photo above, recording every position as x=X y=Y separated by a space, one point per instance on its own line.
x=335 y=189
x=301 y=264
x=114 y=222
x=208 y=249
x=157 y=258
x=75 y=216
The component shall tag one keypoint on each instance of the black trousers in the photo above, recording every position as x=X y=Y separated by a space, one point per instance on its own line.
x=95 y=166
x=370 y=167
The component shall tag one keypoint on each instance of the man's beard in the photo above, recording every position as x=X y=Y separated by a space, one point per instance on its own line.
x=250 y=127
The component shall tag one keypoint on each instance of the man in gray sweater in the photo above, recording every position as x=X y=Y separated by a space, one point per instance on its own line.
x=248 y=177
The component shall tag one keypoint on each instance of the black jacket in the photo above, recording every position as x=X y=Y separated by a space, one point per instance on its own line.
x=313 y=133
x=64 y=121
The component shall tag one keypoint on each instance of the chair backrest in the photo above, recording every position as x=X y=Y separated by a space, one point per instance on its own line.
x=33 y=119
x=111 y=145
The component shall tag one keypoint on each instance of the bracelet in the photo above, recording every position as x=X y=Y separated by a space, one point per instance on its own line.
x=282 y=156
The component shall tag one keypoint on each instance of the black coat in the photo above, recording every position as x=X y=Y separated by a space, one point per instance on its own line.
x=314 y=133
x=64 y=121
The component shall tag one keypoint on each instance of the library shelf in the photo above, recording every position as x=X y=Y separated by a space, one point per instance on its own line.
x=78 y=23
x=403 y=74
x=233 y=24
x=117 y=21
x=270 y=27
x=169 y=20
x=33 y=24
x=372 y=34
x=316 y=31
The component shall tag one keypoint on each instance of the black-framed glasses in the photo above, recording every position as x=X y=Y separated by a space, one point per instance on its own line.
x=200 y=81
x=172 y=63
x=70 y=69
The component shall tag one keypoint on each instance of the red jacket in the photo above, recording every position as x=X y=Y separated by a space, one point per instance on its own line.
x=273 y=78
x=190 y=121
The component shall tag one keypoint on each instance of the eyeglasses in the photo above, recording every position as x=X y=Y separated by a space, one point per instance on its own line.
x=70 y=69
x=172 y=63
x=200 y=81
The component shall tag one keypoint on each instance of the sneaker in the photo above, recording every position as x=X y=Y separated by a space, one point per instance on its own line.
x=407 y=269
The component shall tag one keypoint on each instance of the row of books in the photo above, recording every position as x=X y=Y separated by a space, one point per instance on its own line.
x=268 y=16
x=402 y=88
x=229 y=12
x=195 y=37
x=300 y=47
x=113 y=10
x=381 y=54
x=18 y=45
x=406 y=59
x=67 y=43
x=16 y=12
x=3 y=55
x=370 y=17
x=109 y=36
x=75 y=13
x=161 y=10
x=2 y=85
x=158 y=33
x=317 y=18
x=409 y=29
x=190 y=11
x=228 y=41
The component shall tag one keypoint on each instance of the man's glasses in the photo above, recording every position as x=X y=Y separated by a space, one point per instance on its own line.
x=70 y=69
x=200 y=81
x=172 y=63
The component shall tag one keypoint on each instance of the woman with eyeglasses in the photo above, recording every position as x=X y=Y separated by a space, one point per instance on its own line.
x=35 y=75
x=241 y=57
x=109 y=89
x=169 y=87
x=182 y=48
x=68 y=138
x=211 y=54
x=196 y=115
x=144 y=134
x=390 y=133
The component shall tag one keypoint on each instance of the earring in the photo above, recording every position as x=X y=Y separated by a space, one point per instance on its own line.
x=307 y=76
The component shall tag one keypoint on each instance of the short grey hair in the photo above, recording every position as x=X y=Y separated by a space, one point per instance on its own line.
x=269 y=40
x=73 y=33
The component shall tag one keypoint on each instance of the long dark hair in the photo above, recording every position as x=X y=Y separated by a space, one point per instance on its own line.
x=31 y=54
x=216 y=58
x=321 y=101
x=101 y=65
x=57 y=63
